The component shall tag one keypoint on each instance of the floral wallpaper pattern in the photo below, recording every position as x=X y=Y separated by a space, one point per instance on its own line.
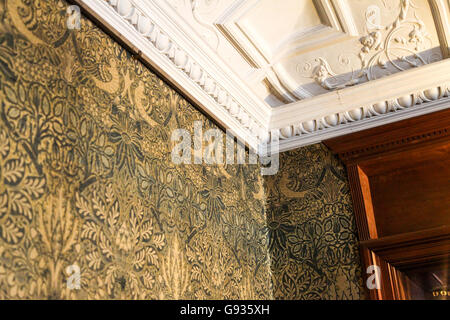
x=87 y=180
x=313 y=244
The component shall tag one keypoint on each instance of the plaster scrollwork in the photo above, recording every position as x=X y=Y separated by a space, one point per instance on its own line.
x=323 y=73
x=384 y=50
x=150 y=30
x=199 y=7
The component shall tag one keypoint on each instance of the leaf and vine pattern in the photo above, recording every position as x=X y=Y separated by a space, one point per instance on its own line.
x=313 y=244
x=87 y=178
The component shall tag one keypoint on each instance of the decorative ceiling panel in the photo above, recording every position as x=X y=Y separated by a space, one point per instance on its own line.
x=302 y=70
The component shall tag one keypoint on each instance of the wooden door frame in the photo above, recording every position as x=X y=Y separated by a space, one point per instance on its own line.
x=392 y=253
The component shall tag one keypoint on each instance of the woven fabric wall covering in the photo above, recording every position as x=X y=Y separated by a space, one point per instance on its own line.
x=88 y=185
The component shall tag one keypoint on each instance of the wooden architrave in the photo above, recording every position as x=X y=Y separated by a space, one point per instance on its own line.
x=404 y=140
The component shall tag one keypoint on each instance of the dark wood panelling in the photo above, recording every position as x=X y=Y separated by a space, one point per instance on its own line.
x=412 y=199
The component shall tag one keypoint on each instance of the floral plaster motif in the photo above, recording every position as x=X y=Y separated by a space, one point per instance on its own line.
x=401 y=45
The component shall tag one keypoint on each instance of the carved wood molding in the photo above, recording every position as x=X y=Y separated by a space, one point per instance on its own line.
x=392 y=254
x=397 y=136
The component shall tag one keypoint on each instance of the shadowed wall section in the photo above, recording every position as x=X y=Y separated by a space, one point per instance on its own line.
x=87 y=180
x=313 y=244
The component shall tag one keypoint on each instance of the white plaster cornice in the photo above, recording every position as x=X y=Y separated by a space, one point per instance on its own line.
x=397 y=97
x=173 y=48
x=145 y=26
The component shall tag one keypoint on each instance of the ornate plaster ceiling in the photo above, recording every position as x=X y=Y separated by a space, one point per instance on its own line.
x=301 y=70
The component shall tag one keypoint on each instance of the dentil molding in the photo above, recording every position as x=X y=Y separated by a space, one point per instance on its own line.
x=154 y=31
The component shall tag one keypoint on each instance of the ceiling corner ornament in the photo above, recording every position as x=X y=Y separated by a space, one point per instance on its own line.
x=391 y=75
